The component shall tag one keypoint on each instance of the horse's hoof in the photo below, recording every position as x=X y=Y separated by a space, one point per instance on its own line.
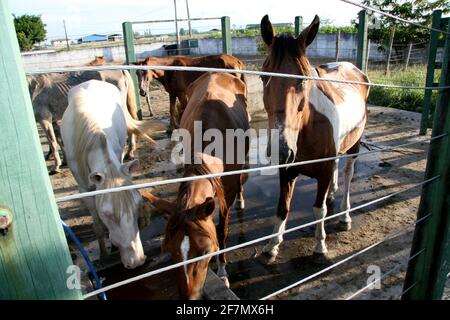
x=225 y=281
x=266 y=258
x=344 y=226
x=129 y=156
x=54 y=171
x=321 y=258
x=239 y=205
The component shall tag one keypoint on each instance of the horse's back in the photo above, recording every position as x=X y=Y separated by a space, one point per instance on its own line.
x=218 y=100
x=98 y=103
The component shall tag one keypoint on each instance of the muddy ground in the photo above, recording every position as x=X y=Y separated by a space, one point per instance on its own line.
x=376 y=175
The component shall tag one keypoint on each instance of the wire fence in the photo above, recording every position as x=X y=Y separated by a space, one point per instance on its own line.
x=268 y=237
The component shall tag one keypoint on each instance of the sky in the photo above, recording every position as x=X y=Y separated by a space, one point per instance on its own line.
x=106 y=16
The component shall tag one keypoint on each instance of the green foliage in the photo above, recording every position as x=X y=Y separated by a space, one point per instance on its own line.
x=405 y=99
x=419 y=11
x=334 y=29
x=30 y=30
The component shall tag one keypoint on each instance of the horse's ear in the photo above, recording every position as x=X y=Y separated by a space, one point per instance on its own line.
x=266 y=30
x=130 y=166
x=166 y=207
x=206 y=208
x=309 y=34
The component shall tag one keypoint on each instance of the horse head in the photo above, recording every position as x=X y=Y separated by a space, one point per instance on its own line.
x=286 y=98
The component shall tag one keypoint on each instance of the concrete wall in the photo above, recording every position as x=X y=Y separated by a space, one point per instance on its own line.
x=323 y=47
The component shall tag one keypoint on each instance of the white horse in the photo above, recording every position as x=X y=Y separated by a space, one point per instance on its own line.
x=94 y=132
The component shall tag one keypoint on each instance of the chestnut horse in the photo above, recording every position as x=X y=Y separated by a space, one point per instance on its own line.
x=315 y=119
x=177 y=82
x=218 y=100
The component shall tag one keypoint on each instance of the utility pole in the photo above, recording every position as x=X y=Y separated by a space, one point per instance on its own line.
x=65 y=31
x=189 y=19
x=176 y=24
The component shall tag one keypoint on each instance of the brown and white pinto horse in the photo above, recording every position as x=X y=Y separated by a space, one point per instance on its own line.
x=176 y=83
x=315 y=119
x=218 y=100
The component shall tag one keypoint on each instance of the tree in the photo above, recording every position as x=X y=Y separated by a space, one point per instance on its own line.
x=419 y=11
x=30 y=30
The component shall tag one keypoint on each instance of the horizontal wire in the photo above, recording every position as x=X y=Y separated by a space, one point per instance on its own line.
x=230 y=173
x=383 y=276
x=393 y=16
x=204 y=69
x=334 y=265
x=248 y=243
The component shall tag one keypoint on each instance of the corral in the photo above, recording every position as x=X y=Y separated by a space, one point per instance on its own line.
x=389 y=172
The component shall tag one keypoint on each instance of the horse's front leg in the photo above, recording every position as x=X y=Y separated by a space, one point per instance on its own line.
x=320 y=207
x=50 y=133
x=173 y=117
x=182 y=106
x=334 y=184
x=222 y=233
x=287 y=185
x=132 y=147
x=150 y=109
x=345 y=222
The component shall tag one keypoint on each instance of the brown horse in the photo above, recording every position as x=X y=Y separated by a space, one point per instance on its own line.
x=315 y=119
x=177 y=82
x=219 y=101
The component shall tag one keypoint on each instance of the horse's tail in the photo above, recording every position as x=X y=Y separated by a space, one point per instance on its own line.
x=140 y=128
x=242 y=67
x=131 y=96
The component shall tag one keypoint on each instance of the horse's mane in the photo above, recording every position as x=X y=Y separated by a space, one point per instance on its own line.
x=88 y=136
x=177 y=219
x=285 y=45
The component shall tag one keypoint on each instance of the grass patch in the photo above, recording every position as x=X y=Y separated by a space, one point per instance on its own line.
x=405 y=99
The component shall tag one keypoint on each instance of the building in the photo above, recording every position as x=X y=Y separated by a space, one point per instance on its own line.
x=58 y=42
x=115 y=37
x=93 y=38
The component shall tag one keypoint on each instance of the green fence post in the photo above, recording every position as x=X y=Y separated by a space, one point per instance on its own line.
x=130 y=55
x=298 y=23
x=226 y=35
x=362 y=40
x=34 y=256
x=433 y=45
x=427 y=273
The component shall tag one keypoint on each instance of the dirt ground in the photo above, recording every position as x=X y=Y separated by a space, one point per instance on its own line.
x=375 y=176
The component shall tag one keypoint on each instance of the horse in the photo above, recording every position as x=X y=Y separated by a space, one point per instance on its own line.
x=94 y=131
x=98 y=61
x=177 y=82
x=49 y=99
x=314 y=119
x=218 y=100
